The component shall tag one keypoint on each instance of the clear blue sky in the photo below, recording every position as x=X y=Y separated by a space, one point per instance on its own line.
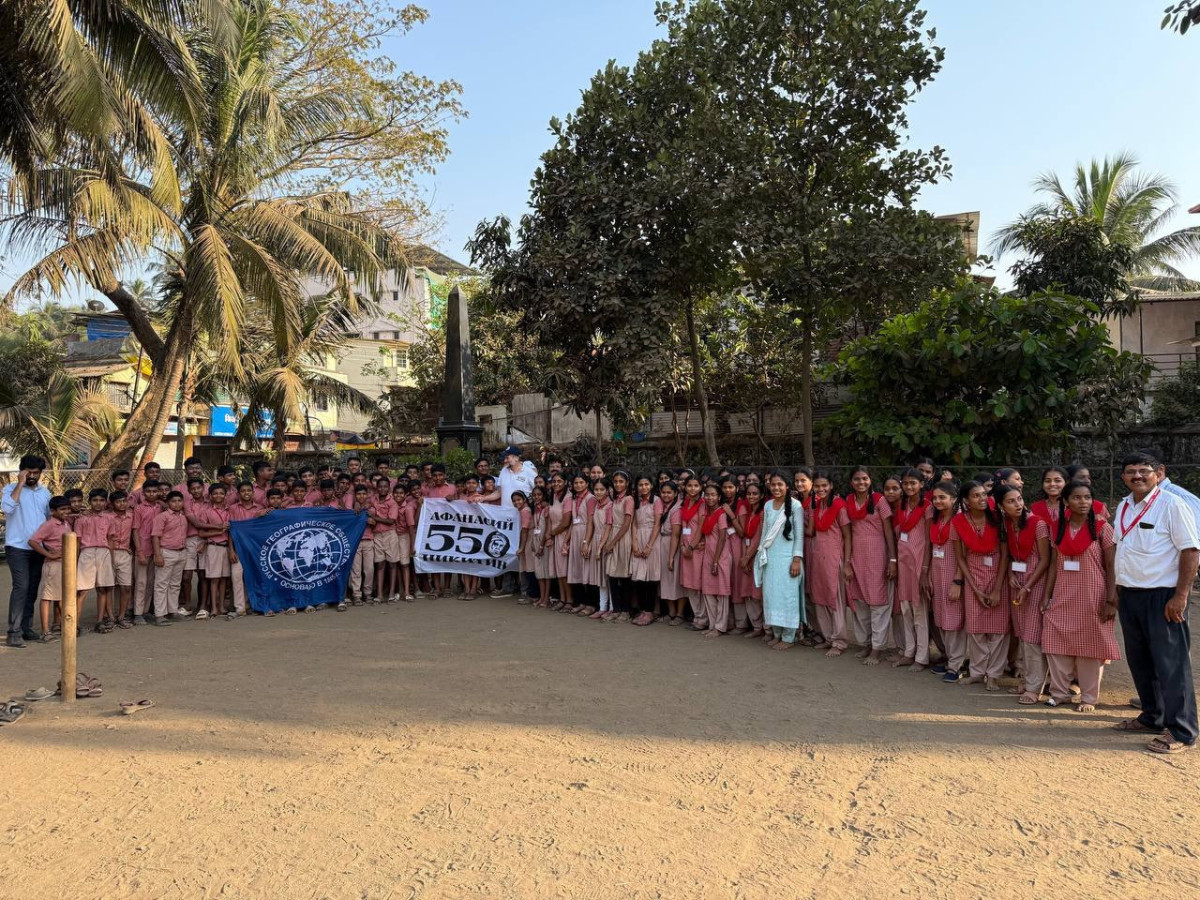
x=1026 y=87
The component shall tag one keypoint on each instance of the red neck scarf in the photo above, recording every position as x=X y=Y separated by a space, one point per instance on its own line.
x=823 y=518
x=1020 y=545
x=987 y=542
x=1043 y=509
x=939 y=532
x=807 y=502
x=710 y=521
x=689 y=510
x=907 y=521
x=856 y=512
x=753 y=522
x=1075 y=544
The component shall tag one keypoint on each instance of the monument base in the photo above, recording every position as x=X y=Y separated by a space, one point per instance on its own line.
x=460 y=436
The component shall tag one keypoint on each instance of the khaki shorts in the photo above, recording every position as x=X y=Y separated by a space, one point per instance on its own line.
x=52 y=580
x=387 y=547
x=95 y=569
x=122 y=563
x=193 y=559
x=216 y=561
x=404 y=553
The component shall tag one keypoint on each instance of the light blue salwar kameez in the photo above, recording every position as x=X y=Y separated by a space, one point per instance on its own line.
x=783 y=605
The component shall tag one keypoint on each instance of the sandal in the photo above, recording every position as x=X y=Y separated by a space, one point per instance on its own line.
x=1028 y=699
x=124 y=623
x=290 y=611
x=11 y=712
x=128 y=707
x=1167 y=745
x=1085 y=707
x=202 y=615
x=33 y=695
x=269 y=613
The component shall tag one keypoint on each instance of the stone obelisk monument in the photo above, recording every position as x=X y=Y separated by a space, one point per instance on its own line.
x=457 y=427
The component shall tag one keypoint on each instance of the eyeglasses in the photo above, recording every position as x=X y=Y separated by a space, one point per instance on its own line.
x=1133 y=473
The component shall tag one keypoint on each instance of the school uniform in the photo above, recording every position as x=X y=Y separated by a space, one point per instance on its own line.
x=194 y=554
x=1077 y=644
x=120 y=532
x=50 y=535
x=237 y=576
x=912 y=544
x=646 y=568
x=94 y=568
x=715 y=586
x=691 y=566
x=362 y=570
x=170 y=528
x=826 y=562
x=559 y=564
x=1027 y=615
x=617 y=560
x=949 y=615
x=387 y=539
x=143 y=572
x=988 y=628
x=405 y=527
x=867 y=591
x=668 y=575
x=537 y=537
x=747 y=596
x=216 y=549
x=596 y=572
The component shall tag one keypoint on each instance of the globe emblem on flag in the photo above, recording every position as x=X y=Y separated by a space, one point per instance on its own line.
x=310 y=554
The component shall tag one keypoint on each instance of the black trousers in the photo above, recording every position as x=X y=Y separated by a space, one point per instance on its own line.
x=1159 y=656
x=25 y=567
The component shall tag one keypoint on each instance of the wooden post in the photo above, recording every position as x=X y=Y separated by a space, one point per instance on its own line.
x=70 y=620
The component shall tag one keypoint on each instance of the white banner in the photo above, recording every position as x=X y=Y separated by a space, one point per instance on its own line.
x=467 y=538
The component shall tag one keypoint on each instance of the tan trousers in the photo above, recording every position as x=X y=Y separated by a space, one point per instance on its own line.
x=167 y=579
x=956 y=649
x=362 y=571
x=239 y=588
x=989 y=654
x=717 y=612
x=1033 y=666
x=872 y=625
x=754 y=612
x=1087 y=672
x=699 y=611
x=832 y=625
x=143 y=586
x=915 y=622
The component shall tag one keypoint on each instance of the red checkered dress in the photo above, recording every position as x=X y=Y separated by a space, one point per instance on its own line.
x=715 y=585
x=911 y=556
x=982 y=619
x=691 y=567
x=947 y=615
x=869 y=558
x=1027 y=618
x=824 y=559
x=1072 y=626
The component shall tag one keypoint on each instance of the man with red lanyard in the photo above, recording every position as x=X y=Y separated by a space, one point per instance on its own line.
x=1156 y=557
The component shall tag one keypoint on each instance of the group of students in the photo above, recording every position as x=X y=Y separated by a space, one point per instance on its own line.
x=917 y=559
x=139 y=550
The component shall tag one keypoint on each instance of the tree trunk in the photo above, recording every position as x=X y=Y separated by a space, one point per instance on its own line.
x=120 y=452
x=181 y=415
x=706 y=422
x=806 y=406
x=139 y=321
x=172 y=376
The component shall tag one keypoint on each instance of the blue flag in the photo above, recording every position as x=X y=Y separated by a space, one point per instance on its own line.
x=297 y=557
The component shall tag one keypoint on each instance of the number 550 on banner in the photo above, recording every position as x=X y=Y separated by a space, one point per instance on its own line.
x=466 y=538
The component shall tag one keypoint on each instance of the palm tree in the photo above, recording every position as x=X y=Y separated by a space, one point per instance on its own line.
x=283 y=380
x=58 y=422
x=245 y=235
x=1134 y=209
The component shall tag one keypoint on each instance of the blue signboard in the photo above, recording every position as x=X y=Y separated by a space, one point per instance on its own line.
x=223 y=422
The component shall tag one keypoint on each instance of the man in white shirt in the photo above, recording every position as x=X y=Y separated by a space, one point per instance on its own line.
x=1158 y=549
x=515 y=476
x=26 y=505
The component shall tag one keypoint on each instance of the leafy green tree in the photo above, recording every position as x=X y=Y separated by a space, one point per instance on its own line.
x=1181 y=16
x=1132 y=209
x=974 y=375
x=1177 y=399
x=1071 y=255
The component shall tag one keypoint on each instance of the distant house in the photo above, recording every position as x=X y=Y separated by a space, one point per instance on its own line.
x=1164 y=327
x=378 y=356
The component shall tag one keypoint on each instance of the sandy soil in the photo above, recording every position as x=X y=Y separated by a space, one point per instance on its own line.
x=447 y=750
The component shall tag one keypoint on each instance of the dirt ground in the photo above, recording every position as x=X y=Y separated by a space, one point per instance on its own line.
x=448 y=750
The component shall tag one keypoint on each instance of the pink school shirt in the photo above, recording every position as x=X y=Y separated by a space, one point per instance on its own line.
x=120 y=529
x=171 y=529
x=50 y=534
x=92 y=530
x=445 y=492
x=214 y=517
